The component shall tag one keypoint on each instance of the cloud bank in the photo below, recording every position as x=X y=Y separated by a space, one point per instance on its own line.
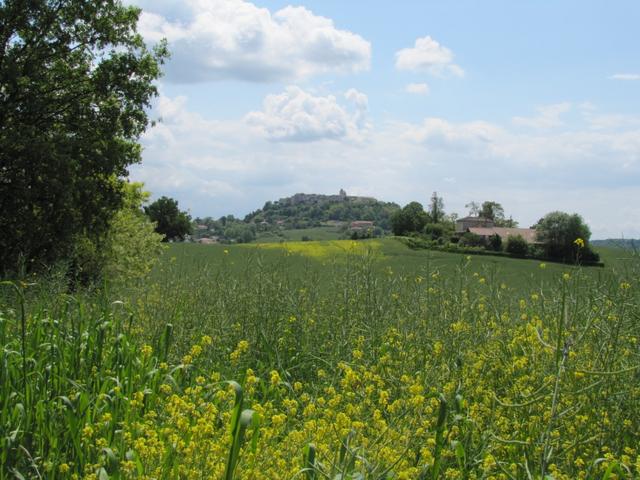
x=234 y=39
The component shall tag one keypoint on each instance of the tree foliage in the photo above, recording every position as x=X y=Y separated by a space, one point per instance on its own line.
x=75 y=80
x=310 y=210
x=474 y=208
x=132 y=245
x=492 y=210
x=411 y=218
x=436 y=208
x=172 y=223
x=558 y=231
x=517 y=246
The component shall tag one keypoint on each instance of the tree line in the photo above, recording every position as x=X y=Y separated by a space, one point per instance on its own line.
x=559 y=236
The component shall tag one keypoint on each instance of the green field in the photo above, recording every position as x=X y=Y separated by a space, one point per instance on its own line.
x=296 y=235
x=353 y=360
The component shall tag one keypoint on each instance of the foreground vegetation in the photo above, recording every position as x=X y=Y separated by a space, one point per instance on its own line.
x=353 y=360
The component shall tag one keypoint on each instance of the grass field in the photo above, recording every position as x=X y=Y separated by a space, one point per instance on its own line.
x=296 y=235
x=353 y=360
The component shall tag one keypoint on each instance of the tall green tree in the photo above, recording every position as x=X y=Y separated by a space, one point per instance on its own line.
x=75 y=82
x=436 y=208
x=495 y=212
x=411 y=218
x=492 y=210
x=474 y=209
x=170 y=221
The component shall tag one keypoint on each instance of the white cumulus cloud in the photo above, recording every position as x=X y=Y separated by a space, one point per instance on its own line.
x=235 y=39
x=298 y=116
x=417 y=88
x=428 y=55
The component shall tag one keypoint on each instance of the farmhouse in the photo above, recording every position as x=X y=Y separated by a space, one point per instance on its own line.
x=361 y=225
x=208 y=240
x=464 y=224
x=529 y=234
x=485 y=228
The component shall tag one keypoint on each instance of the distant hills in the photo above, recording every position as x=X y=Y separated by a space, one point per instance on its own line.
x=310 y=210
x=626 y=243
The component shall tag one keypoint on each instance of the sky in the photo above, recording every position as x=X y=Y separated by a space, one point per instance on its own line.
x=532 y=104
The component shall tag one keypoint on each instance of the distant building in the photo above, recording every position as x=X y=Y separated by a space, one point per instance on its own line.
x=464 y=224
x=208 y=241
x=201 y=227
x=485 y=228
x=361 y=225
x=529 y=234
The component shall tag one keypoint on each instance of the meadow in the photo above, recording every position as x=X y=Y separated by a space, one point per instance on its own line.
x=322 y=233
x=326 y=360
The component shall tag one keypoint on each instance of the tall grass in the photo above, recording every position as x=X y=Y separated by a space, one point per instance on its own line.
x=345 y=368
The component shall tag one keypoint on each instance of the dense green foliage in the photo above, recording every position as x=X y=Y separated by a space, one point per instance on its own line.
x=410 y=219
x=360 y=359
x=517 y=246
x=303 y=211
x=132 y=245
x=172 y=223
x=565 y=236
x=75 y=82
x=325 y=216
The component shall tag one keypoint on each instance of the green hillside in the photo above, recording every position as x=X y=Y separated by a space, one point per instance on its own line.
x=312 y=210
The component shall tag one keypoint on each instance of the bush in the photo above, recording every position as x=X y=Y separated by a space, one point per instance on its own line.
x=517 y=246
x=435 y=231
x=471 y=240
x=132 y=245
x=587 y=255
x=495 y=243
x=129 y=249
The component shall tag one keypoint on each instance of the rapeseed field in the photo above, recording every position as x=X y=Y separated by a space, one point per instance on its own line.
x=333 y=360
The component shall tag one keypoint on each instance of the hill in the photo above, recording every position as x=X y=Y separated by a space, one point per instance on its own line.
x=301 y=217
x=626 y=243
x=313 y=210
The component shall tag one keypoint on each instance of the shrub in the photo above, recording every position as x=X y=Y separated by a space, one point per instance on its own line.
x=129 y=249
x=471 y=240
x=495 y=243
x=517 y=246
x=132 y=246
x=435 y=231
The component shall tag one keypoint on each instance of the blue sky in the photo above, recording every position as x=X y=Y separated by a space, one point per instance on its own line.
x=535 y=105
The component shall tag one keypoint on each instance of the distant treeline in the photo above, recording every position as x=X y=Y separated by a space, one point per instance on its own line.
x=626 y=243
